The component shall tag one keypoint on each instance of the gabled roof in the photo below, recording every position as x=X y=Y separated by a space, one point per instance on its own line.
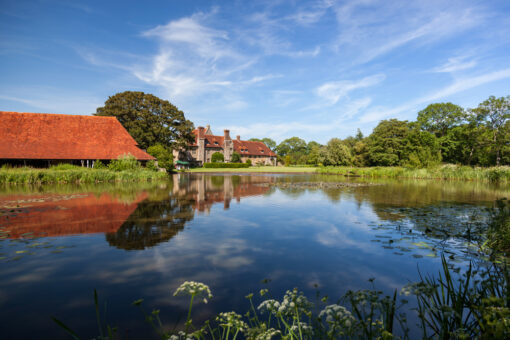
x=243 y=147
x=250 y=148
x=58 y=136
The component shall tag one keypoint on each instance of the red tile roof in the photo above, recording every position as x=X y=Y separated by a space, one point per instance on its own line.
x=252 y=148
x=59 y=136
x=247 y=148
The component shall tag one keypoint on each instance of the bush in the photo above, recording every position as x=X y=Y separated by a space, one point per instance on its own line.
x=125 y=162
x=217 y=157
x=151 y=165
x=248 y=161
x=64 y=166
x=163 y=155
x=99 y=165
x=236 y=158
x=226 y=165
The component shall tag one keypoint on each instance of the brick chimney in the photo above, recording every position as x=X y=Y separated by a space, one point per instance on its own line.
x=201 y=132
x=226 y=134
x=238 y=137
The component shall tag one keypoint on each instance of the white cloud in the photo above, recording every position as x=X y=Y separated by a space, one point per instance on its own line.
x=455 y=64
x=332 y=92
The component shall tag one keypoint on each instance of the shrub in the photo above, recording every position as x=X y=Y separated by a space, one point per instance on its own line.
x=151 y=165
x=226 y=165
x=163 y=155
x=217 y=157
x=248 y=161
x=125 y=162
x=64 y=166
x=236 y=157
x=99 y=165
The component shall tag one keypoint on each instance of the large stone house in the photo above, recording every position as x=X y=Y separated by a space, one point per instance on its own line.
x=206 y=144
x=43 y=139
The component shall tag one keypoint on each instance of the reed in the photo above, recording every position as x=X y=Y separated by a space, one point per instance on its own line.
x=76 y=175
x=499 y=174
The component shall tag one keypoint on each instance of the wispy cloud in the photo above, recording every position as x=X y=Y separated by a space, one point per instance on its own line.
x=332 y=92
x=455 y=64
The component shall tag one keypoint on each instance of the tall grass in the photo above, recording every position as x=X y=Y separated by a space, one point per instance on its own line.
x=448 y=172
x=70 y=174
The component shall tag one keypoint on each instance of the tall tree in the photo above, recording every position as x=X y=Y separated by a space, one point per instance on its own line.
x=149 y=119
x=438 y=118
x=293 y=145
x=386 y=142
x=495 y=113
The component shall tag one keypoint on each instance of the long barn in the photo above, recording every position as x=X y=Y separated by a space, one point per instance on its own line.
x=43 y=139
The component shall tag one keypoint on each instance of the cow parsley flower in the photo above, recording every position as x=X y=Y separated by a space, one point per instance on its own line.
x=268 y=334
x=270 y=306
x=338 y=318
x=194 y=289
x=232 y=320
x=294 y=300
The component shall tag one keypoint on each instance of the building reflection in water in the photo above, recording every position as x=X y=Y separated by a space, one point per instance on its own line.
x=147 y=218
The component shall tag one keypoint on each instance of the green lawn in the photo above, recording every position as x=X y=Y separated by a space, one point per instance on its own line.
x=272 y=169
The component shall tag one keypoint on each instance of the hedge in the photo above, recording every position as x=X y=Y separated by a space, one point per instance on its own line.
x=226 y=165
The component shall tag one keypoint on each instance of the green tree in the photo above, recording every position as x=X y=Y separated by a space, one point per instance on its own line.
x=386 y=142
x=495 y=113
x=439 y=118
x=163 y=155
x=336 y=153
x=294 y=145
x=149 y=119
x=420 y=149
x=217 y=157
x=236 y=158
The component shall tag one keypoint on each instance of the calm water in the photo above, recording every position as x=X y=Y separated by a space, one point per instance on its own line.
x=59 y=243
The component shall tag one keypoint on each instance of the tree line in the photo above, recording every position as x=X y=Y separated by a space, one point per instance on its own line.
x=442 y=132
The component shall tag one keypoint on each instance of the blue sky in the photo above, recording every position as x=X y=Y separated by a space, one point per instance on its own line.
x=316 y=70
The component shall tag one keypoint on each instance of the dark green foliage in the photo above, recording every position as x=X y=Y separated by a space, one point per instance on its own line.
x=217 y=157
x=149 y=119
x=386 y=143
x=421 y=150
x=335 y=153
x=227 y=165
x=99 y=165
x=123 y=163
x=439 y=118
x=236 y=157
x=248 y=161
x=163 y=155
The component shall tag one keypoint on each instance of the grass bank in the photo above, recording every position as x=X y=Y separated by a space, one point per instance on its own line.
x=76 y=175
x=449 y=172
x=259 y=169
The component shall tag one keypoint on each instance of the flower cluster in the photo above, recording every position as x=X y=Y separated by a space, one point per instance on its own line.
x=292 y=301
x=336 y=315
x=268 y=334
x=181 y=336
x=194 y=289
x=232 y=320
x=305 y=329
x=271 y=306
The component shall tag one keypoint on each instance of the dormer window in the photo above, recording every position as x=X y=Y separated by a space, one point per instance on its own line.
x=216 y=143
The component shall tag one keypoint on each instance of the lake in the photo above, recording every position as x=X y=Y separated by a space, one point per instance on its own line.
x=236 y=233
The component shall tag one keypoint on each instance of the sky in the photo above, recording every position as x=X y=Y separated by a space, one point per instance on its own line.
x=312 y=69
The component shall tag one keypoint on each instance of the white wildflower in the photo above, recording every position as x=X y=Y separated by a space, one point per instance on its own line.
x=232 y=320
x=338 y=318
x=269 y=305
x=268 y=334
x=194 y=289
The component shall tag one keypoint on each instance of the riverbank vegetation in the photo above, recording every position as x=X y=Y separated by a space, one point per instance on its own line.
x=499 y=174
x=124 y=169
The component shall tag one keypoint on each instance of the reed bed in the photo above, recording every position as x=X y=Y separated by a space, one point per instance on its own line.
x=447 y=172
x=76 y=175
